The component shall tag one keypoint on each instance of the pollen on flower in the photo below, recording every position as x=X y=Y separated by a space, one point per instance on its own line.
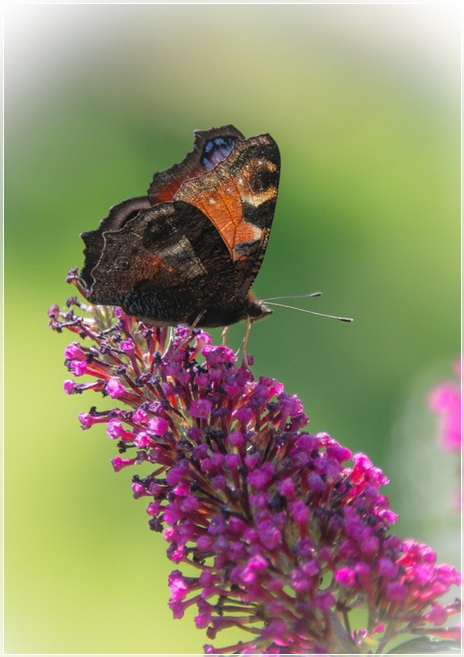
x=287 y=531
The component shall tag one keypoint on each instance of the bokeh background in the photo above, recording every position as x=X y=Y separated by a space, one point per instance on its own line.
x=364 y=102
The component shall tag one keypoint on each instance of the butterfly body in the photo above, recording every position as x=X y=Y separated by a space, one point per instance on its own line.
x=189 y=251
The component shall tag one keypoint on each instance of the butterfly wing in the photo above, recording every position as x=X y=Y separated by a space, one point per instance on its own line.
x=209 y=148
x=118 y=216
x=239 y=196
x=166 y=266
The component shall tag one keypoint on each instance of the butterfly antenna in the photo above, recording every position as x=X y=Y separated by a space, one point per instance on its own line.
x=295 y=296
x=310 y=312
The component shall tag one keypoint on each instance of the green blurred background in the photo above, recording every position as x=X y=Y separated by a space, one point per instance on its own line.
x=364 y=103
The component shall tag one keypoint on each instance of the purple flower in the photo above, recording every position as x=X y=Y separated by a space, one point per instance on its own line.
x=158 y=425
x=74 y=351
x=288 y=532
x=114 y=388
x=69 y=387
x=200 y=408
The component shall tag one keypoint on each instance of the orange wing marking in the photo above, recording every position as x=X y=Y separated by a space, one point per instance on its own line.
x=221 y=199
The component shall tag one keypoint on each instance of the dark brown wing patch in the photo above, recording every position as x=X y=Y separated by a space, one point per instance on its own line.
x=167 y=264
x=118 y=216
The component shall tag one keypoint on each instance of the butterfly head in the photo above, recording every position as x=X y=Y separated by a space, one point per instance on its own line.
x=256 y=309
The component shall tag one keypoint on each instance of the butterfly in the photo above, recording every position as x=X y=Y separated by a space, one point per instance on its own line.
x=189 y=251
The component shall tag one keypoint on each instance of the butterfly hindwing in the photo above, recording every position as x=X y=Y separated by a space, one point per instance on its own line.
x=118 y=216
x=167 y=262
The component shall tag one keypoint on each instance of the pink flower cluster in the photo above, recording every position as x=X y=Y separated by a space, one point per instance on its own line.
x=445 y=401
x=288 y=532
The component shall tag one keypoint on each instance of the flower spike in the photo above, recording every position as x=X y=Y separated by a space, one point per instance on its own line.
x=288 y=531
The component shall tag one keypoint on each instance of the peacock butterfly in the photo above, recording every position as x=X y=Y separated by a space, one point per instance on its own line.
x=189 y=251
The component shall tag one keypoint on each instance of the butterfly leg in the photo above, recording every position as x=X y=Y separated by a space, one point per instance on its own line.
x=224 y=334
x=198 y=320
x=168 y=343
x=245 y=342
x=188 y=336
